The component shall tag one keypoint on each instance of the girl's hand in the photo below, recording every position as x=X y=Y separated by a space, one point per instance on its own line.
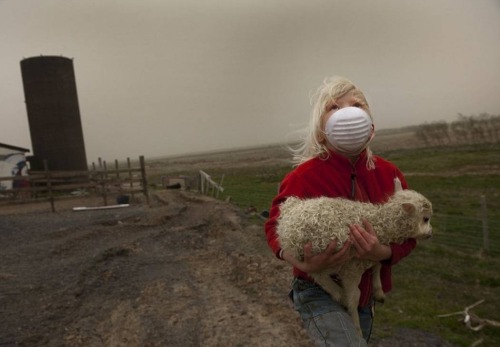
x=329 y=258
x=366 y=243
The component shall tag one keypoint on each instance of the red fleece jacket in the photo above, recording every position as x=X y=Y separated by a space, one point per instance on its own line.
x=333 y=177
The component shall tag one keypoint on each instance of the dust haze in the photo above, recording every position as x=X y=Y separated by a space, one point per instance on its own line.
x=160 y=78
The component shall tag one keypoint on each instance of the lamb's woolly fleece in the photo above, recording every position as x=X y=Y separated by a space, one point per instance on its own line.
x=323 y=219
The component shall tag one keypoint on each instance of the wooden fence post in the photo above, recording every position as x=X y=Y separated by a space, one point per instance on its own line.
x=144 y=179
x=484 y=217
x=49 y=185
x=220 y=185
x=104 y=179
x=129 y=166
x=116 y=168
x=120 y=188
x=94 y=176
x=202 y=183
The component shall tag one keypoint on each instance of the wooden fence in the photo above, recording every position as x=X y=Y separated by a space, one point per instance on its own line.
x=208 y=186
x=50 y=186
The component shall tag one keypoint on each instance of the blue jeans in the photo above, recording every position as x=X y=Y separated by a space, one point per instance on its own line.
x=327 y=321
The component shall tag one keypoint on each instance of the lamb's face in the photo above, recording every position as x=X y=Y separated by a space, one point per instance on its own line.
x=425 y=227
x=421 y=212
x=417 y=213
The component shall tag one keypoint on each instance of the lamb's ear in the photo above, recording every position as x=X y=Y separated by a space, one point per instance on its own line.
x=397 y=185
x=408 y=207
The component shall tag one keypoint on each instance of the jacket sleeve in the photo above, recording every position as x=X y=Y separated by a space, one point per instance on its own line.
x=400 y=251
x=288 y=187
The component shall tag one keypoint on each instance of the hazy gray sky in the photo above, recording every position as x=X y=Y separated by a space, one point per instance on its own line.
x=165 y=77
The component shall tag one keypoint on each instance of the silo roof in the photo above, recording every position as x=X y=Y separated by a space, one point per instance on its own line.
x=14 y=148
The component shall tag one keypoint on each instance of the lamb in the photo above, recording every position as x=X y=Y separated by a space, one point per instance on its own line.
x=319 y=220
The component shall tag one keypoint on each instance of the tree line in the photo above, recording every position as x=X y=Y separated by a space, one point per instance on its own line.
x=474 y=129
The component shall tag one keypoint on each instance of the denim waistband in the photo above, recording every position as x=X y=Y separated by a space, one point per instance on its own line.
x=299 y=283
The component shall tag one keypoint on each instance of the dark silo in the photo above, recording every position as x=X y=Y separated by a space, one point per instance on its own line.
x=53 y=113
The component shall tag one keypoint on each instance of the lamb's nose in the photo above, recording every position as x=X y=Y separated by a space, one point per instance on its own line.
x=429 y=234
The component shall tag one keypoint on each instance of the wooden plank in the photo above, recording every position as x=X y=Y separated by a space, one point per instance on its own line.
x=62 y=187
x=62 y=173
x=94 y=208
x=14 y=178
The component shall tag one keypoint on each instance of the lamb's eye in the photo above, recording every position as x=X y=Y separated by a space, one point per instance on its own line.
x=357 y=104
x=426 y=220
x=334 y=107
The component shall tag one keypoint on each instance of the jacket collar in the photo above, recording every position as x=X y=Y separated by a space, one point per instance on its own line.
x=340 y=158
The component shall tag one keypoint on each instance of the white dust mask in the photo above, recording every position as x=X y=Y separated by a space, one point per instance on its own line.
x=349 y=130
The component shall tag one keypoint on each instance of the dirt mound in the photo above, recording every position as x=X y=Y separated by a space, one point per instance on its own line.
x=188 y=271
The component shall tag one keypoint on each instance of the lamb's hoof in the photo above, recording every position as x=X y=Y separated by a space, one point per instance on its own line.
x=379 y=297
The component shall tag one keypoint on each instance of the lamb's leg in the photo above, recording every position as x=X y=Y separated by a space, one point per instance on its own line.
x=351 y=298
x=326 y=282
x=378 y=293
x=348 y=295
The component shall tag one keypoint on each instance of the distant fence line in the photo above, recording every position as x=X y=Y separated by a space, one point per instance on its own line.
x=474 y=129
x=467 y=233
x=49 y=185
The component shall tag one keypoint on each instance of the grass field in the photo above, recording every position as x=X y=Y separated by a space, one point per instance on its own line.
x=444 y=275
x=451 y=272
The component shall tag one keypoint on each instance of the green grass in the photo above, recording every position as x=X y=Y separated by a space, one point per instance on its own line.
x=434 y=281
x=249 y=187
x=445 y=159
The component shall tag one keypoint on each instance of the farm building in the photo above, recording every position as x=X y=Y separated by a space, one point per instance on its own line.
x=12 y=163
x=53 y=113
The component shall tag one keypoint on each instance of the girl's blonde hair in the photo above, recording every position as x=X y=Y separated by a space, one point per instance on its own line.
x=314 y=143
